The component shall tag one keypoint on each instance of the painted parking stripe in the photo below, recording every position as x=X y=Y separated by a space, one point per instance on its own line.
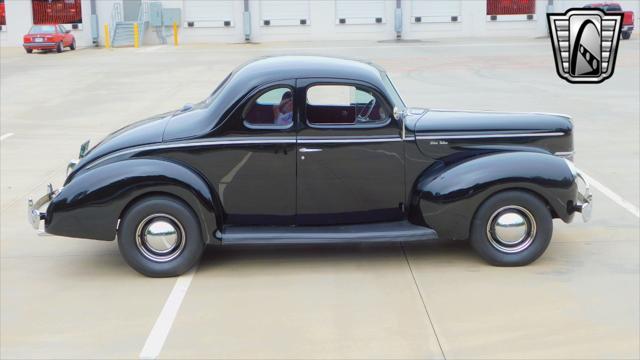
x=162 y=327
x=5 y=136
x=612 y=195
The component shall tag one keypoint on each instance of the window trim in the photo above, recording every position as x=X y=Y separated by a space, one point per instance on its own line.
x=346 y=126
x=254 y=99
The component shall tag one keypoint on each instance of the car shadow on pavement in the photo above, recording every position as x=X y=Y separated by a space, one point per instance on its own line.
x=218 y=256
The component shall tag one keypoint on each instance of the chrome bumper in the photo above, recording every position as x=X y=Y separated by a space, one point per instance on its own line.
x=584 y=203
x=34 y=215
x=39 y=44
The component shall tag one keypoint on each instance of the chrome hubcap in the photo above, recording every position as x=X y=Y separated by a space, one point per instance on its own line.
x=511 y=229
x=160 y=237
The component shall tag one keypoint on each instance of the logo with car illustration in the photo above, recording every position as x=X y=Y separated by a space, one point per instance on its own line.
x=585 y=44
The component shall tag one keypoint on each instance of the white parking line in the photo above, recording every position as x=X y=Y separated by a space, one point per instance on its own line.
x=5 y=136
x=612 y=195
x=158 y=335
x=162 y=327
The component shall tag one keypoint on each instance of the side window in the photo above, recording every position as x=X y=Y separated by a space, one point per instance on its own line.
x=345 y=105
x=61 y=29
x=271 y=109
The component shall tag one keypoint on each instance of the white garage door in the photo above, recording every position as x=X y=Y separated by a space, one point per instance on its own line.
x=284 y=12
x=199 y=13
x=435 y=11
x=359 y=11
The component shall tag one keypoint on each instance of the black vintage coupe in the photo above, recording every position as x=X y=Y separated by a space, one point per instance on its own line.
x=301 y=149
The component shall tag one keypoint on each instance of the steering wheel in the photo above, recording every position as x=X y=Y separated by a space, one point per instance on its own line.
x=366 y=110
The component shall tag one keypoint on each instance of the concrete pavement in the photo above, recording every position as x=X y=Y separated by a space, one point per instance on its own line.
x=73 y=298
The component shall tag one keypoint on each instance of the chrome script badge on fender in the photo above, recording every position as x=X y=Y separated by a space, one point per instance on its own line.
x=585 y=44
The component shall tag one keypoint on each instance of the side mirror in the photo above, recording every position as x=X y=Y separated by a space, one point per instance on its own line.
x=399 y=115
x=67 y=31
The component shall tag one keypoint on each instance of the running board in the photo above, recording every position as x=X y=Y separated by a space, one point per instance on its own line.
x=400 y=231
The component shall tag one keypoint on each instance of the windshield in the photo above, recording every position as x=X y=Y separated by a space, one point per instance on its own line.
x=391 y=90
x=605 y=7
x=43 y=29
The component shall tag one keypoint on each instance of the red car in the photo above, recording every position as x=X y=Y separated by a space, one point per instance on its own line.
x=3 y=14
x=48 y=37
x=615 y=8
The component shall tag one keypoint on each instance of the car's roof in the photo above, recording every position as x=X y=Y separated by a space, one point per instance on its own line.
x=274 y=68
x=267 y=70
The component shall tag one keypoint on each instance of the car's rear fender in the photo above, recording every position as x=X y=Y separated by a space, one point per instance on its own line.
x=446 y=195
x=92 y=203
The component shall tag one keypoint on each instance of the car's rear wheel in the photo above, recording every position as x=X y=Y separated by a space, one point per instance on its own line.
x=626 y=35
x=29 y=51
x=160 y=236
x=73 y=44
x=511 y=228
x=59 y=47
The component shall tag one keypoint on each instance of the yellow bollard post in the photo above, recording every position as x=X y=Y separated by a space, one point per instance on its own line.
x=175 y=33
x=136 y=35
x=107 y=43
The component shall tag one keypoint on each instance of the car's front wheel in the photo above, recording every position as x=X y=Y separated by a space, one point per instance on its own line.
x=160 y=236
x=511 y=228
x=59 y=47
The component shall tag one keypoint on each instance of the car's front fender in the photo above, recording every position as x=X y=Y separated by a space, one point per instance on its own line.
x=90 y=205
x=446 y=196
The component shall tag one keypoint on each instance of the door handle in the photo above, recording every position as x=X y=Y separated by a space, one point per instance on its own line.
x=310 y=150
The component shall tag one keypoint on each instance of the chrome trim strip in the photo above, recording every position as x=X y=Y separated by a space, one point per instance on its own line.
x=486 y=136
x=38 y=44
x=243 y=141
x=334 y=140
x=190 y=144
x=564 y=153
x=304 y=150
x=502 y=112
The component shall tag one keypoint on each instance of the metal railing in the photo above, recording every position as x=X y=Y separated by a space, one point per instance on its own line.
x=143 y=12
x=116 y=16
x=143 y=20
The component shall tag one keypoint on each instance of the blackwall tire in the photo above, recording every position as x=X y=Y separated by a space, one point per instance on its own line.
x=59 y=47
x=511 y=228
x=626 y=35
x=73 y=45
x=29 y=51
x=160 y=237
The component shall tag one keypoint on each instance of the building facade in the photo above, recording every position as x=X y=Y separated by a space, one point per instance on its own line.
x=233 y=21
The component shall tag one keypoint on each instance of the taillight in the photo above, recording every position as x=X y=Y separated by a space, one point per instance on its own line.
x=628 y=18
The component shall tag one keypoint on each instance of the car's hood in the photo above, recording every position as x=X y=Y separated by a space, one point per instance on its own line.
x=440 y=132
x=451 y=121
